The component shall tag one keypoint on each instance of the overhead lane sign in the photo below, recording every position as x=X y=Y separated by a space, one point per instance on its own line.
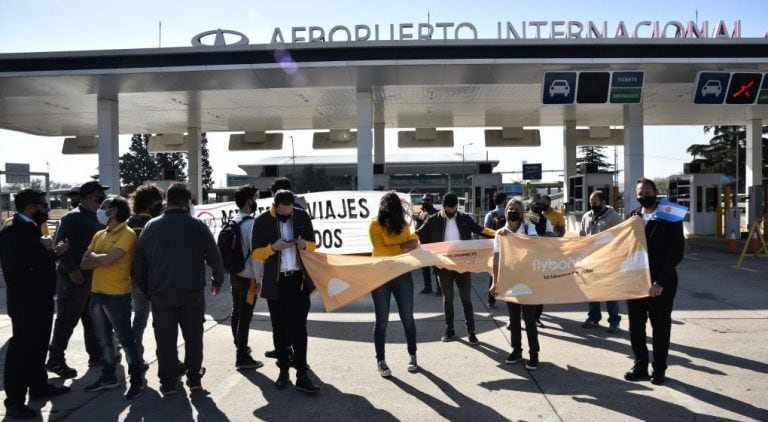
x=593 y=87
x=743 y=88
x=762 y=95
x=739 y=88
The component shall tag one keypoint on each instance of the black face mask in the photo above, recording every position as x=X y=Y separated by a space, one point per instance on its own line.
x=538 y=210
x=40 y=217
x=513 y=215
x=450 y=214
x=156 y=210
x=283 y=218
x=647 y=201
x=596 y=209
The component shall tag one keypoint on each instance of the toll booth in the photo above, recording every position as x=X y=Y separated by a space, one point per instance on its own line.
x=480 y=199
x=701 y=193
x=582 y=185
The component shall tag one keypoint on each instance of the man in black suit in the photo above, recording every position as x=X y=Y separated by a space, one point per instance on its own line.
x=29 y=268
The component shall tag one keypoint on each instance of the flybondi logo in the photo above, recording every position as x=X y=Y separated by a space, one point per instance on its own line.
x=556 y=265
x=220 y=38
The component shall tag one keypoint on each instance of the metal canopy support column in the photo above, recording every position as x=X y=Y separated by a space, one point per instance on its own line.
x=364 y=141
x=378 y=143
x=633 y=153
x=753 y=176
x=108 y=145
x=194 y=169
x=569 y=155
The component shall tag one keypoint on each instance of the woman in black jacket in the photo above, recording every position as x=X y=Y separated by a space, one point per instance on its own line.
x=665 y=251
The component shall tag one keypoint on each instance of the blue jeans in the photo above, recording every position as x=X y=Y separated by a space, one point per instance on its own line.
x=613 y=312
x=140 y=317
x=401 y=288
x=114 y=311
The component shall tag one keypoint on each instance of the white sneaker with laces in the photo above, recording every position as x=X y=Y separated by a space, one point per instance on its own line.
x=384 y=369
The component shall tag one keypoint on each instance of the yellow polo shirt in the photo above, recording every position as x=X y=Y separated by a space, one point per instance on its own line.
x=114 y=279
x=555 y=217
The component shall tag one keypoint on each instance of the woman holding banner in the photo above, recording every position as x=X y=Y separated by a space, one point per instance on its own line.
x=390 y=235
x=517 y=222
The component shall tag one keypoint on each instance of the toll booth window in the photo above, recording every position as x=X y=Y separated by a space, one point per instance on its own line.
x=699 y=198
x=593 y=87
x=711 y=198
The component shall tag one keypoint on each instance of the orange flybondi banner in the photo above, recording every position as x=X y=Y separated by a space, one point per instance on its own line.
x=611 y=265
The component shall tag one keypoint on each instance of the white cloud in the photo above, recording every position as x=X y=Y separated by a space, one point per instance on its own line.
x=638 y=261
x=336 y=286
x=519 y=289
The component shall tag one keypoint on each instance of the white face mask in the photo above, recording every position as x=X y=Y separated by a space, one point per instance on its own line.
x=101 y=215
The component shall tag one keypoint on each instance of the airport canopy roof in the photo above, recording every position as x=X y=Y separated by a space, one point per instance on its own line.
x=447 y=83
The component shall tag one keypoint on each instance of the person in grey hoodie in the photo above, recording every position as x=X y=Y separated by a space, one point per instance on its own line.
x=169 y=268
x=600 y=217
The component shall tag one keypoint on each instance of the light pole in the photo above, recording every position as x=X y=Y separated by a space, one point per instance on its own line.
x=293 y=159
x=462 y=152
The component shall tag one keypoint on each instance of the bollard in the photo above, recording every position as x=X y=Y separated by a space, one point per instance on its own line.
x=754 y=243
x=732 y=242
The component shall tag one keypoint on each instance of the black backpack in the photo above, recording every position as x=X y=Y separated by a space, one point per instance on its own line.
x=230 y=246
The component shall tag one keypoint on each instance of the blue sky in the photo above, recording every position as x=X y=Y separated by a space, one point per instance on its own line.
x=35 y=25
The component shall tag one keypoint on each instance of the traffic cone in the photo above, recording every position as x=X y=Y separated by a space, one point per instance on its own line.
x=732 y=242
x=754 y=243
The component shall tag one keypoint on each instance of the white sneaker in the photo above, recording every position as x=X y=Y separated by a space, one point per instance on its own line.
x=384 y=369
x=412 y=365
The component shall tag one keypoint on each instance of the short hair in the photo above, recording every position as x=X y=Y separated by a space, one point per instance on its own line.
x=281 y=183
x=121 y=205
x=648 y=182
x=145 y=196
x=178 y=195
x=284 y=197
x=499 y=198
x=26 y=197
x=243 y=194
x=450 y=200
x=599 y=195
x=427 y=196
x=546 y=198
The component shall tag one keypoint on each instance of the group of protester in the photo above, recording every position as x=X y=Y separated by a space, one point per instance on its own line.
x=107 y=260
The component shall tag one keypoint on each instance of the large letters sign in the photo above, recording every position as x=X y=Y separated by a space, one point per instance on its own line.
x=340 y=218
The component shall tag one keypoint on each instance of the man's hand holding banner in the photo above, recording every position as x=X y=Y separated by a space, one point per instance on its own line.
x=611 y=265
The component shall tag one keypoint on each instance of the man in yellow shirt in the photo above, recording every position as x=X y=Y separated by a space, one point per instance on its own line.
x=554 y=216
x=110 y=255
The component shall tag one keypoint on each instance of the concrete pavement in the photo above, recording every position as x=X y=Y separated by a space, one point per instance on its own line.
x=718 y=364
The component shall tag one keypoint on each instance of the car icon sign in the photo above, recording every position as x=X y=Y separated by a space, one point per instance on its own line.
x=713 y=87
x=559 y=86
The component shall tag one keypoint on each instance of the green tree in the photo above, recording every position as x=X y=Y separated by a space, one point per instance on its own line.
x=207 y=171
x=139 y=166
x=719 y=155
x=591 y=154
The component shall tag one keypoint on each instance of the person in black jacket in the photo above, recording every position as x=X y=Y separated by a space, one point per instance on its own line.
x=450 y=224
x=427 y=210
x=665 y=251
x=278 y=233
x=29 y=267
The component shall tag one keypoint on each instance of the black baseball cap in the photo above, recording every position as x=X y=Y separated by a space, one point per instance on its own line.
x=90 y=187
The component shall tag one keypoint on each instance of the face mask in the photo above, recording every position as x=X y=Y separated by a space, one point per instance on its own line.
x=513 y=215
x=647 y=201
x=283 y=218
x=156 y=210
x=40 y=217
x=537 y=210
x=450 y=214
x=596 y=209
x=101 y=215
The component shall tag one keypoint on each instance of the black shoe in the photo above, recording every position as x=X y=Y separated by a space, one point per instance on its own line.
x=540 y=324
x=473 y=339
x=272 y=354
x=144 y=366
x=449 y=335
x=247 y=362
x=637 y=373
x=47 y=390
x=135 y=390
x=194 y=384
x=61 y=369
x=282 y=380
x=304 y=383
x=533 y=362
x=658 y=378
x=426 y=290
x=167 y=390
x=590 y=324
x=514 y=357
x=20 y=411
